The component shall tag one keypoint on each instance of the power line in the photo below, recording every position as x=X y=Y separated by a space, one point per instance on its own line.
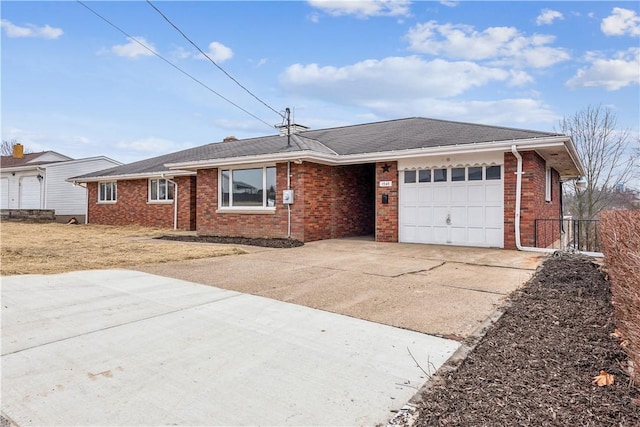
x=172 y=64
x=211 y=60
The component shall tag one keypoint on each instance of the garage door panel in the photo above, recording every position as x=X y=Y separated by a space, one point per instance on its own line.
x=425 y=216
x=475 y=216
x=440 y=234
x=425 y=195
x=493 y=193
x=458 y=194
x=424 y=234
x=440 y=215
x=408 y=233
x=458 y=215
x=493 y=237
x=440 y=194
x=475 y=193
x=409 y=215
x=494 y=216
x=459 y=235
x=476 y=235
x=410 y=195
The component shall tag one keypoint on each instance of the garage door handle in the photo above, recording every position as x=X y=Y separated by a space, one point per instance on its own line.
x=449 y=219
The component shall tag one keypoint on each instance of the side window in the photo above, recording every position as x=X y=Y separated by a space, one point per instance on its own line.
x=107 y=192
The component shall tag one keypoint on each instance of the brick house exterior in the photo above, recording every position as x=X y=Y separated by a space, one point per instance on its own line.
x=348 y=182
x=132 y=206
x=330 y=202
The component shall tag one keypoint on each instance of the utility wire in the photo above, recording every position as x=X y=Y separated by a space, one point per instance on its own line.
x=211 y=60
x=172 y=64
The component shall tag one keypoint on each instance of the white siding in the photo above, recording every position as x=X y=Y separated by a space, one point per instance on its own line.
x=63 y=196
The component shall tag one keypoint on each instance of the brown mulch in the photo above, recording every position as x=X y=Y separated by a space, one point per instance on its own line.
x=263 y=242
x=535 y=366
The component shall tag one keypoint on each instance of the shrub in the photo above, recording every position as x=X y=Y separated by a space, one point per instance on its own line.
x=621 y=246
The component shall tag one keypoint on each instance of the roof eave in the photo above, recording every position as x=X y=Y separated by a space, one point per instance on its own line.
x=128 y=177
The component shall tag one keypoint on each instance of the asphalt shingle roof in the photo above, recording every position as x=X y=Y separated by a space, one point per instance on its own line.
x=393 y=135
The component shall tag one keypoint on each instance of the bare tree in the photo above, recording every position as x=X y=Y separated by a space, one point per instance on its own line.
x=607 y=158
x=6 y=149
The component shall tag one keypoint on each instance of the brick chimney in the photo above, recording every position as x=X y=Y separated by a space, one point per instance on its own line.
x=230 y=138
x=18 y=150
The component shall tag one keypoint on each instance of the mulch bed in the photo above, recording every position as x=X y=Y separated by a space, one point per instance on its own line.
x=535 y=366
x=266 y=243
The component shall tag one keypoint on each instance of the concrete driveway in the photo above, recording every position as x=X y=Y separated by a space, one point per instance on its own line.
x=121 y=347
x=441 y=290
x=124 y=347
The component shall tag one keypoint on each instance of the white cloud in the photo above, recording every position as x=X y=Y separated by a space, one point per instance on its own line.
x=621 y=22
x=30 y=30
x=218 y=52
x=548 y=16
x=505 y=45
x=449 y=3
x=363 y=8
x=393 y=77
x=610 y=73
x=132 y=48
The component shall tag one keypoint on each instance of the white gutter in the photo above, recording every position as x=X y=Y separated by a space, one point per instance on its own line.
x=175 y=202
x=530 y=143
x=125 y=177
x=519 y=173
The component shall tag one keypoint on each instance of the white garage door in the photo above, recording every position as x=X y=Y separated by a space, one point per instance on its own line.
x=4 y=193
x=29 y=192
x=457 y=206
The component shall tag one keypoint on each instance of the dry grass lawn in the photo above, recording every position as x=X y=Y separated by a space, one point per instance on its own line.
x=57 y=248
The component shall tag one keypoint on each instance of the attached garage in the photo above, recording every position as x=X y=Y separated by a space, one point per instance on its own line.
x=452 y=201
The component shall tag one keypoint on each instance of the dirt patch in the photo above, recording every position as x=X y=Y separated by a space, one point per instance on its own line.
x=37 y=248
x=535 y=366
x=265 y=243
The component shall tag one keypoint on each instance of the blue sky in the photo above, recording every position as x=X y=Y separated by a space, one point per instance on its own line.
x=73 y=84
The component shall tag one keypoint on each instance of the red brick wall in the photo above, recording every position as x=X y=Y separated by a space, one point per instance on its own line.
x=329 y=202
x=132 y=206
x=387 y=214
x=533 y=204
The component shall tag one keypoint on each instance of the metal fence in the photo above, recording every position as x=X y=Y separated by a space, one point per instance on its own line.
x=568 y=234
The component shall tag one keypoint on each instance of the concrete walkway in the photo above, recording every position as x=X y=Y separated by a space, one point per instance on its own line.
x=130 y=348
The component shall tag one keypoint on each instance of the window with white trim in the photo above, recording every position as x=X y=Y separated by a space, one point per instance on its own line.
x=547 y=186
x=248 y=188
x=160 y=190
x=107 y=191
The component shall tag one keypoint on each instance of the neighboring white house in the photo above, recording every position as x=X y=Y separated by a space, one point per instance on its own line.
x=38 y=181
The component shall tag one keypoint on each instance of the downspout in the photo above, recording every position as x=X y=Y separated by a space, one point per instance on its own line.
x=175 y=201
x=288 y=205
x=517 y=210
x=517 y=213
x=86 y=205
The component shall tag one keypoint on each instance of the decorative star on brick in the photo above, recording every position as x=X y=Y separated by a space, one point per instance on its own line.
x=386 y=167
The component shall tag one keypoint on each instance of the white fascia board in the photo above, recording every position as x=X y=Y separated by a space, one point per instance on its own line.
x=128 y=177
x=525 y=144
x=86 y=159
x=22 y=168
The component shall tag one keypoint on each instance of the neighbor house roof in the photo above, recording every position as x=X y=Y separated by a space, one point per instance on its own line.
x=368 y=142
x=32 y=159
